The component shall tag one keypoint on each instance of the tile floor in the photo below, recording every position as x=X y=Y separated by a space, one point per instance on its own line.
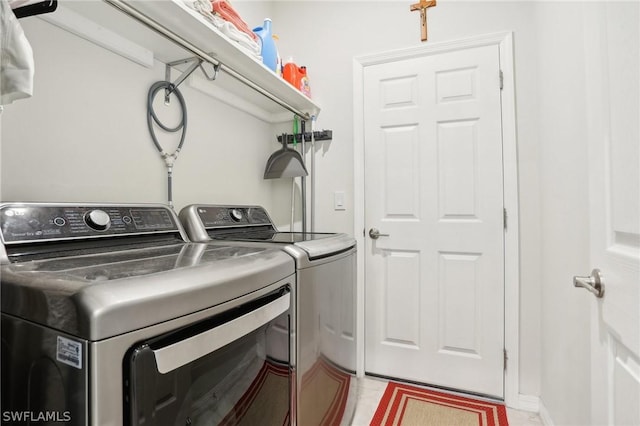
x=371 y=390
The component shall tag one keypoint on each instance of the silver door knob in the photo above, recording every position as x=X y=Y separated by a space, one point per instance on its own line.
x=592 y=283
x=375 y=234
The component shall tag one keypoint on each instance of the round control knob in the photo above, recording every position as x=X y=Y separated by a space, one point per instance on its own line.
x=236 y=215
x=98 y=220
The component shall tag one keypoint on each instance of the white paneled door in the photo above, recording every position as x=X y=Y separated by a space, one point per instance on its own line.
x=613 y=104
x=434 y=193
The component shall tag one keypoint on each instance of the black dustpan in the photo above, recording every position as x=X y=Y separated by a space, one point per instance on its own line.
x=285 y=163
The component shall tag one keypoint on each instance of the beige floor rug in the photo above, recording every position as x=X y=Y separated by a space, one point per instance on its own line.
x=406 y=405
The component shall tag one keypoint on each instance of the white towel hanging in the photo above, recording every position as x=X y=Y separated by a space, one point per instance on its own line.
x=16 y=63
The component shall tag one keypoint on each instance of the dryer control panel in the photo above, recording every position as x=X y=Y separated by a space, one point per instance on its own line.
x=213 y=216
x=28 y=222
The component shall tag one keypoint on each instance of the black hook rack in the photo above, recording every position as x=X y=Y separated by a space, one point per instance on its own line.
x=322 y=135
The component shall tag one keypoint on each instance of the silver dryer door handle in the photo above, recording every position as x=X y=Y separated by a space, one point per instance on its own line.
x=185 y=351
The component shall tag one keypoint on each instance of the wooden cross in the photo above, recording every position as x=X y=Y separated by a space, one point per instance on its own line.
x=422 y=7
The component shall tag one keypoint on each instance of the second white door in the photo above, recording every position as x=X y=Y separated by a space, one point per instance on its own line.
x=434 y=295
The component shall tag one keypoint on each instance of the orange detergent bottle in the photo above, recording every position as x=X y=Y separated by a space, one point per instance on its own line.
x=297 y=77
x=290 y=73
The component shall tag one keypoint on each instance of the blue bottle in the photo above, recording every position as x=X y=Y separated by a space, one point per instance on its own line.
x=268 y=51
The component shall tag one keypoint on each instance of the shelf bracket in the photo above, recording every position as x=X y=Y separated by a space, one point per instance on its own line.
x=196 y=63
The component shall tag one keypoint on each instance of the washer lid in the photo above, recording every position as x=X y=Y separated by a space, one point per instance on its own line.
x=96 y=296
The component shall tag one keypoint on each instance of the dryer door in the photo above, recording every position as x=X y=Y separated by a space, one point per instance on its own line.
x=228 y=369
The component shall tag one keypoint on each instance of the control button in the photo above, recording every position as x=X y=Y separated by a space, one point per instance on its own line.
x=59 y=221
x=98 y=220
x=126 y=219
x=236 y=215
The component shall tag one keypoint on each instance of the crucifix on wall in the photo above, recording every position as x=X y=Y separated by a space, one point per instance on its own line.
x=422 y=6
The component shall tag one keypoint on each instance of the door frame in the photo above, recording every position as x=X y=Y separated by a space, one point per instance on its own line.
x=504 y=41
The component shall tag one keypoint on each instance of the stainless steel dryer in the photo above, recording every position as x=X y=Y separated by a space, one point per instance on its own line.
x=325 y=309
x=110 y=317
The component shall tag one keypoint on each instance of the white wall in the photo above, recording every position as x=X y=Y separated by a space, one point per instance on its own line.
x=565 y=380
x=326 y=35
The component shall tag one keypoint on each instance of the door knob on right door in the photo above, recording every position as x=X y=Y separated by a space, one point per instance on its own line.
x=592 y=283
x=375 y=234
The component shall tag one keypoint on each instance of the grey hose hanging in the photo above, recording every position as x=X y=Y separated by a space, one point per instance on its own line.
x=169 y=159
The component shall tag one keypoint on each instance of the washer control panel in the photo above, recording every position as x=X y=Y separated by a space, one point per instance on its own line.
x=42 y=222
x=232 y=216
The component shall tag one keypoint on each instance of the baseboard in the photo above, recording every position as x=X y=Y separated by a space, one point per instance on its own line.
x=544 y=415
x=535 y=405
x=528 y=403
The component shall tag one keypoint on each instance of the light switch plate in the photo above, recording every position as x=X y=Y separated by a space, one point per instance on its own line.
x=339 y=201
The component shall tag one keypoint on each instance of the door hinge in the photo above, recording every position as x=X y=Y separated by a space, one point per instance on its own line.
x=501 y=80
x=506 y=358
x=504 y=218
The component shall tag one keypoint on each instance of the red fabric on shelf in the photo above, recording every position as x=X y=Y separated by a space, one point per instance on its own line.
x=228 y=13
